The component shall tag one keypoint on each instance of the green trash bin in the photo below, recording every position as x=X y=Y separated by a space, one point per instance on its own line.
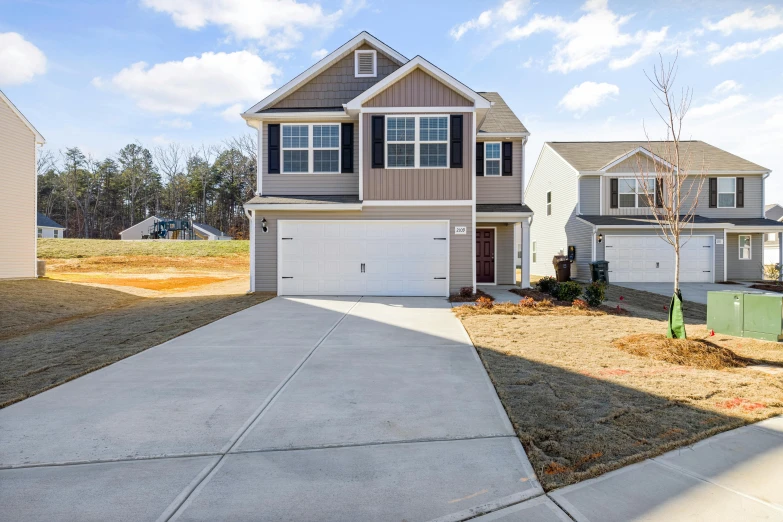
x=725 y=311
x=763 y=317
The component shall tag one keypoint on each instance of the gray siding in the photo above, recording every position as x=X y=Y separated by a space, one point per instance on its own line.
x=422 y=184
x=337 y=84
x=580 y=235
x=503 y=189
x=718 y=233
x=744 y=270
x=418 y=89
x=551 y=233
x=589 y=195
x=505 y=260
x=460 y=253
x=309 y=184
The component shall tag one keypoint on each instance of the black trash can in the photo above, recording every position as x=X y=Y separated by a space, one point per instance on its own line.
x=599 y=271
x=562 y=268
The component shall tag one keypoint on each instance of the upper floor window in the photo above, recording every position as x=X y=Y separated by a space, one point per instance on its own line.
x=631 y=193
x=433 y=133
x=727 y=192
x=548 y=203
x=492 y=159
x=744 y=247
x=417 y=141
x=365 y=64
x=302 y=155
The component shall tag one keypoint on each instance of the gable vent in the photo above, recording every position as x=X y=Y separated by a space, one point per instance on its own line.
x=365 y=64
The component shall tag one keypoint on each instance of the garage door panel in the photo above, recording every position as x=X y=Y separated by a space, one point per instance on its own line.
x=651 y=259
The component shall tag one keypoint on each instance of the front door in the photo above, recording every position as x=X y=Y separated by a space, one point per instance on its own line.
x=485 y=255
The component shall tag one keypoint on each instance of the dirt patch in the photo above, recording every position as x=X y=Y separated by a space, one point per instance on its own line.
x=470 y=298
x=688 y=352
x=767 y=287
x=160 y=284
x=581 y=407
x=147 y=264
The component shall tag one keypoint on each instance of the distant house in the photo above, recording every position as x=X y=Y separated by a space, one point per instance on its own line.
x=771 y=243
x=207 y=232
x=141 y=230
x=49 y=228
x=18 y=139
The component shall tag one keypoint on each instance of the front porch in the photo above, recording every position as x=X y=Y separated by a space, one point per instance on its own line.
x=502 y=245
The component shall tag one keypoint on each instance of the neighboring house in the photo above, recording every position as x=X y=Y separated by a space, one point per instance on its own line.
x=18 y=192
x=383 y=175
x=140 y=230
x=49 y=228
x=204 y=231
x=585 y=195
x=772 y=239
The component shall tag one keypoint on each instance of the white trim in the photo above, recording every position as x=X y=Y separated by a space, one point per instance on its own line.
x=417 y=110
x=418 y=62
x=507 y=135
x=416 y=141
x=712 y=271
x=38 y=138
x=502 y=217
x=725 y=256
x=522 y=190
x=525 y=253
x=311 y=147
x=252 y=217
x=416 y=202
x=325 y=207
x=595 y=247
x=474 y=128
x=309 y=117
x=637 y=150
x=750 y=247
x=324 y=63
x=756 y=230
x=578 y=196
x=601 y=196
x=499 y=159
x=260 y=162
x=494 y=257
x=638 y=192
x=655 y=225
x=374 y=55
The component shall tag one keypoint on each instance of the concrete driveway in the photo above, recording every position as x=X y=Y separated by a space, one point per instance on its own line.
x=694 y=292
x=295 y=409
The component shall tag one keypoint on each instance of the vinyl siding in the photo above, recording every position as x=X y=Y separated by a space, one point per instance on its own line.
x=460 y=254
x=337 y=84
x=651 y=231
x=589 y=195
x=418 y=89
x=418 y=184
x=740 y=269
x=580 y=235
x=552 y=233
x=309 y=184
x=503 y=189
x=17 y=197
x=505 y=266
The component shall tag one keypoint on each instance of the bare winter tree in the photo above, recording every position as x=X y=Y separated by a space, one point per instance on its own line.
x=669 y=182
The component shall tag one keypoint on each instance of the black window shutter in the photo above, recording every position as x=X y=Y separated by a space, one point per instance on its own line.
x=456 y=141
x=273 y=148
x=614 y=193
x=713 y=192
x=659 y=192
x=507 y=161
x=346 y=147
x=377 y=141
x=479 y=159
x=740 y=192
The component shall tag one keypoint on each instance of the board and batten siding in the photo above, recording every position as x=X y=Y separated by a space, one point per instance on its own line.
x=505 y=258
x=460 y=251
x=552 y=233
x=503 y=189
x=651 y=231
x=418 y=184
x=418 y=89
x=308 y=184
x=337 y=85
x=18 y=196
x=744 y=269
x=590 y=195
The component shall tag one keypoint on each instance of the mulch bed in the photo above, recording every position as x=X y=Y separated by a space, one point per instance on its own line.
x=699 y=353
x=768 y=287
x=541 y=296
x=459 y=298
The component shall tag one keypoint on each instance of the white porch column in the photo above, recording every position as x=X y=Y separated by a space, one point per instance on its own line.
x=525 y=283
x=259 y=159
x=780 y=254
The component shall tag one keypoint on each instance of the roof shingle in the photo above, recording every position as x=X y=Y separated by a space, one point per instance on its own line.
x=500 y=117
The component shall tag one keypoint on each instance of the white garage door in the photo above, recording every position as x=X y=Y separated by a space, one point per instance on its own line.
x=650 y=259
x=405 y=258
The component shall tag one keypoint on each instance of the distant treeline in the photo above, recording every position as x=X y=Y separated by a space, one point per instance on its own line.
x=99 y=197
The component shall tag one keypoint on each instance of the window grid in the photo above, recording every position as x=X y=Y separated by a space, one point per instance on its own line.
x=419 y=142
x=492 y=159
x=311 y=148
x=727 y=192
x=548 y=203
x=631 y=193
x=744 y=242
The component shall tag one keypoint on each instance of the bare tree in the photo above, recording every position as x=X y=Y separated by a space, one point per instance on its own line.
x=169 y=160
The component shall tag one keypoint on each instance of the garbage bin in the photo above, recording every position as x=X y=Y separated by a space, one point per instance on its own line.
x=599 y=271
x=562 y=268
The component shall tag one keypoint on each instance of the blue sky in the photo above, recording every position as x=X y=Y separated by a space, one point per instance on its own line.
x=101 y=74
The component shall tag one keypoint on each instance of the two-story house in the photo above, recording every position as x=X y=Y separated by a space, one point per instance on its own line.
x=588 y=195
x=772 y=253
x=383 y=175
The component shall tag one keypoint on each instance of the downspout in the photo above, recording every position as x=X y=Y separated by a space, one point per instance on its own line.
x=524 y=142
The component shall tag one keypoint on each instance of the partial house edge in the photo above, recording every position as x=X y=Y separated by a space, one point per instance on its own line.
x=39 y=139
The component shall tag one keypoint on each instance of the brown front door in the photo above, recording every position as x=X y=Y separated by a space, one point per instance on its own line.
x=485 y=255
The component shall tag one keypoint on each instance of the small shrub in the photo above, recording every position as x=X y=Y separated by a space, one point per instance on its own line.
x=484 y=302
x=595 y=293
x=546 y=285
x=466 y=291
x=772 y=271
x=580 y=304
x=567 y=291
x=527 y=302
x=544 y=303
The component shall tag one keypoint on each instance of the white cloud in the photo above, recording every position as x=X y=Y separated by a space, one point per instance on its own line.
x=587 y=95
x=211 y=80
x=727 y=87
x=740 y=50
x=748 y=20
x=275 y=24
x=592 y=38
x=320 y=53
x=20 y=60
x=232 y=112
x=507 y=12
x=711 y=109
x=177 y=123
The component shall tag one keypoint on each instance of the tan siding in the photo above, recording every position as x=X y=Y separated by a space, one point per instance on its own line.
x=418 y=89
x=310 y=184
x=741 y=269
x=427 y=184
x=503 y=189
x=337 y=84
x=17 y=196
x=461 y=247
x=505 y=259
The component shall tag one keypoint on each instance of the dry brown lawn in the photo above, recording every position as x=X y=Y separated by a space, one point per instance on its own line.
x=582 y=407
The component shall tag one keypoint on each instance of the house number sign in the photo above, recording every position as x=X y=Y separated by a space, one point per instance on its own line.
x=460 y=230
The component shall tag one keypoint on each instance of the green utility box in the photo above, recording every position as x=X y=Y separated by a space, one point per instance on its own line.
x=746 y=314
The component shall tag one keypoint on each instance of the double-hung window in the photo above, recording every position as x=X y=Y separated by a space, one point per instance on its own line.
x=433 y=134
x=56 y=233
x=417 y=142
x=744 y=247
x=727 y=193
x=311 y=148
x=492 y=159
x=549 y=203
x=631 y=193
x=401 y=142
